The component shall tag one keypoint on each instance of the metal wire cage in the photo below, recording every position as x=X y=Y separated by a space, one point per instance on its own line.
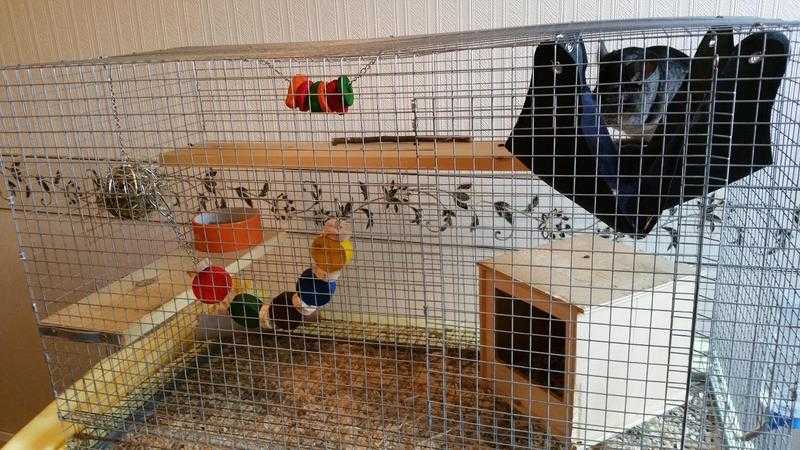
x=482 y=292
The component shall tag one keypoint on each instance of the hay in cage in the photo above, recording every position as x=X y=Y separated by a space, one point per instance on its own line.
x=362 y=395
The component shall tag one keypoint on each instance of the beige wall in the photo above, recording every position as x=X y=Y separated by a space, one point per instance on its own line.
x=39 y=30
x=25 y=387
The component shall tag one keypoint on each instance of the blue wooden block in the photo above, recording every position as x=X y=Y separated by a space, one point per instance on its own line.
x=313 y=291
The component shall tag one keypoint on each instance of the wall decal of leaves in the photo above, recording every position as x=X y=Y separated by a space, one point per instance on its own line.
x=368 y=214
x=209 y=181
x=782 y=237
x=47 y=199
x=346 y=210
x=708 y=214
x=459 y=205
x=532 y=205
x=673 y=237
x=394 y=196
x=244 y=194
x=503 y=209
x=203 y=200
x=554 y=225
x=461 y=199
x=739 y=241
x=264 y=190
x=610 y=233
x=417 y=220
x=447 y=219
x=44 y=190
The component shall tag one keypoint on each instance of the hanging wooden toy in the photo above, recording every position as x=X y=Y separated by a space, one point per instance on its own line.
x=330 y=252
x=334 y=96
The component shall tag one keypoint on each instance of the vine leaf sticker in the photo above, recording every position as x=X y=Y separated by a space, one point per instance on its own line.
x=394 y=195
x=368 y=214
x=708 y=211
x=203 y=202
x=417 y=220
x=447 y=218
x=345 y=210
x=739 y=236
x=474 y=224
x=313 y=190
x=782 y=240
x=610 y=233
x=12 y=187
x=244 y=194
x=264 y=190
x=554 y=224
x=461 y=198
x=209 y=181
x=503 y=210
x=72 y=192
x=45 y=185
x=532 y=205
x=673 y=236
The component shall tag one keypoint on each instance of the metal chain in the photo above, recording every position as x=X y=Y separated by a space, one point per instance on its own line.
x=168 y=214
x=157 y=201
x=115 y=115
x=275 y=69
x=353 y=79
x=364 y=69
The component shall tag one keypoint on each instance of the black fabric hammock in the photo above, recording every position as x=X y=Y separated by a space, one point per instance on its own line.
x=716 y=129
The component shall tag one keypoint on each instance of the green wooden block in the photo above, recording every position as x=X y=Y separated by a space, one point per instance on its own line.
x=244 y=310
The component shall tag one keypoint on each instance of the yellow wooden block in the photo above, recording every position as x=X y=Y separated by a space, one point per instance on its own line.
x=328 y=254
x=348 y=250
x=241 y=284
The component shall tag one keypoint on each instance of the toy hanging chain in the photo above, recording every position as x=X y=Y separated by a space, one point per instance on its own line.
x=132 y=190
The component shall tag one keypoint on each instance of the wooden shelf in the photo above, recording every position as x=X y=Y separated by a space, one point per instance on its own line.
x=134 y=305
x=448 y=156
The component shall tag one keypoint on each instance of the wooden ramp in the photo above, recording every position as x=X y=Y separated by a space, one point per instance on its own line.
x=402 y=156
x=134 y=305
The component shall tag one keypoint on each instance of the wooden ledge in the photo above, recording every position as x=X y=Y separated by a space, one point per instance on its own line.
x=404 y=156
x=136 y=304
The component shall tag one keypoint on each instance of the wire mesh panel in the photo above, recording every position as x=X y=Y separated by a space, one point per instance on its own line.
x=566 y=235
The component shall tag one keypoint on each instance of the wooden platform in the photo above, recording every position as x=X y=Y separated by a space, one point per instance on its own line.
x=132 y=306
x=405 y=156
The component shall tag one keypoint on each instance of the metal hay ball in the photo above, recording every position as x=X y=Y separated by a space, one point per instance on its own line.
x=129 y=191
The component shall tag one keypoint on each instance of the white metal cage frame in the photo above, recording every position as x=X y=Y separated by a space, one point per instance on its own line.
x=684 y=337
